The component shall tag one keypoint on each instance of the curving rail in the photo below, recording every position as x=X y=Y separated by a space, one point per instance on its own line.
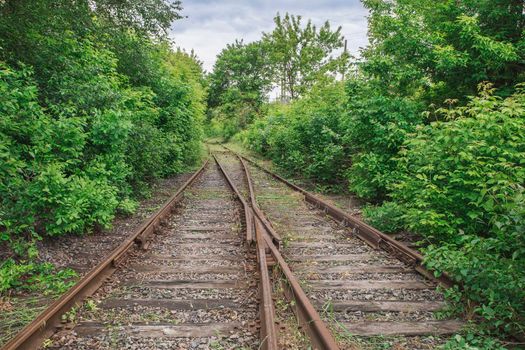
x=369 y=234
x=318 y=332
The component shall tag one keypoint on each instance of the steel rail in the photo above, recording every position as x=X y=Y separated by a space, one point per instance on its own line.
x=44 y=325
x=268 y=336
x=317 y=331
x=276 y=238
x=369 y=234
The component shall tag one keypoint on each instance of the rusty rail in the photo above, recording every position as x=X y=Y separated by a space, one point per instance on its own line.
x=276 y=238
x=268 y=335
x=31 y=336
x=247 y=213
x=369 y=234
x=269 y=338
x=316 y=329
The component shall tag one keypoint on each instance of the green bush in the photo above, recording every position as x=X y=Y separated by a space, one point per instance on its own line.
x=387 y=217
x=461 y=174
x=462 y=189
x=376 y=126
x=45 y=189
x=492 y=277
x=305 y=137
x=92 y=111
x=473 y=341
x=77 y=140
x=128 y=206
x=33 y=276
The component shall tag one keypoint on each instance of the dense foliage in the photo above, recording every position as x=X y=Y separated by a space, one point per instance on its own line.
x=305 y=137
x=292 y=58
x=94 y=106
x=302 y=54
x=237 y=87
x=429 y=129
x=461 y=187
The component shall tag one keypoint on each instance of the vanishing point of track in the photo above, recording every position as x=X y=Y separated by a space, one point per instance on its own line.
x=201 y=272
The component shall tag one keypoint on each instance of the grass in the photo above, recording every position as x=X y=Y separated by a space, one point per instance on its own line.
x=353 y=342
x=290 y=337
x=15 y=313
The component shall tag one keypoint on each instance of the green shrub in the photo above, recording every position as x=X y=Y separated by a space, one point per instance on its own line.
x=73 y=204
x=65 y=173
x=491 y=269
x=305 y=137
x=376 y=126
x=459 y=175
x=47 y=189
x=34 y=276
x=462 y=189
x=386 y=217
x=128 y=206
x=92 y=111
x=473 y=341
x=256 y=137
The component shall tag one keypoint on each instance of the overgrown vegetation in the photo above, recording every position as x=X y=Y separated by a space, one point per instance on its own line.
x=428 y=127
x=94 y=106
x=292 y=58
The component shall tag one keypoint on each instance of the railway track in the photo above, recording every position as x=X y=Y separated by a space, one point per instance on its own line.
x=214 y=266
x=358 y=288
x=195 y=287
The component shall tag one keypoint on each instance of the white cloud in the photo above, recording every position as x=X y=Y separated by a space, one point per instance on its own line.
x=212 y=24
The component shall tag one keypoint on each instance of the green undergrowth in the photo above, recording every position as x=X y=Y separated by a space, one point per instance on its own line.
x=16 y=313
x=26 y=289
x=30 y=276
x=386 y=218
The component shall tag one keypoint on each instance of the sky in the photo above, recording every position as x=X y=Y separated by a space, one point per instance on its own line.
x=211 y=25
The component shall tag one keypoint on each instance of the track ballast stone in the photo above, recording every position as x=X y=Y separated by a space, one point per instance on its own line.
x=182 y=293
x=313 y=241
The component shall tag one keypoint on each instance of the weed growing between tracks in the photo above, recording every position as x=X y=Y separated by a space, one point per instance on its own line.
x=33 y=276
x=35 y=284
x=353 y=342
x=17 y=312
x=290 y=334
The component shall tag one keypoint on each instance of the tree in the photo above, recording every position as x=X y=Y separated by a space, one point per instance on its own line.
x=423 y=57
x=302 y=54
x=239 y=84
x=442 y=51
x=149 y=17
x=243 y=67
x=92 y=110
